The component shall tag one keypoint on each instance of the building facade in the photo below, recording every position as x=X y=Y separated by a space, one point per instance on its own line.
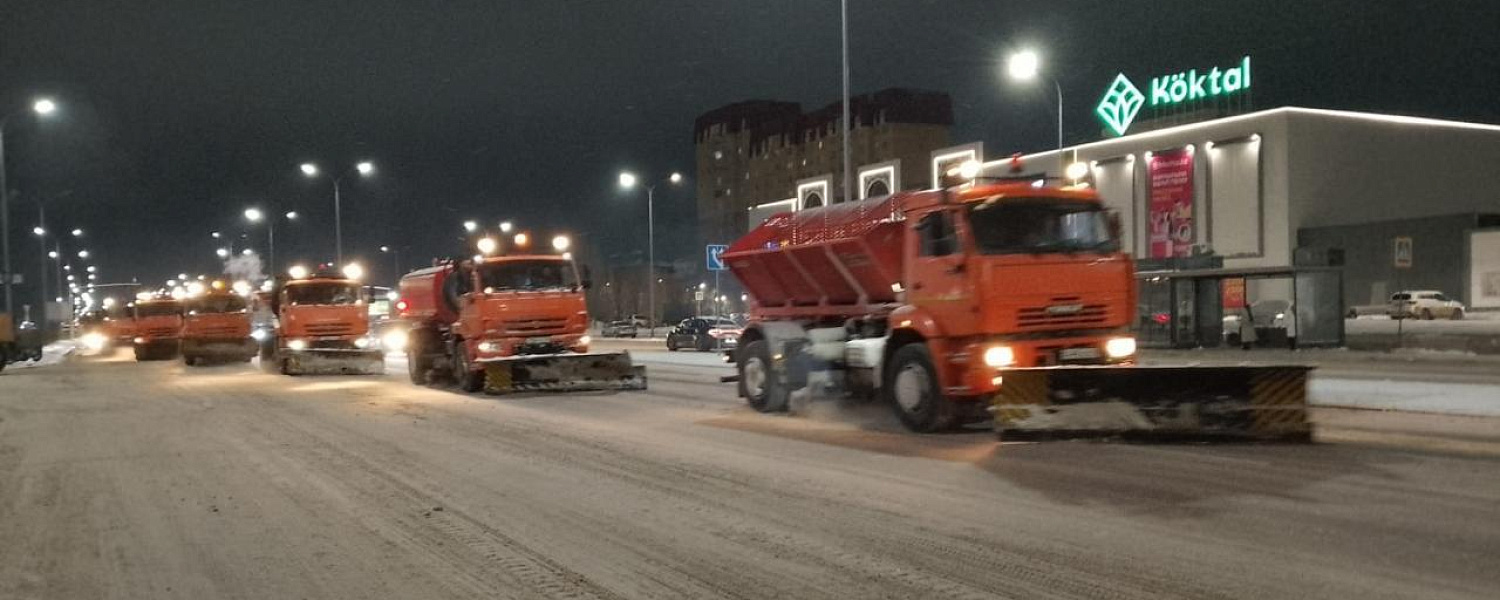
x=755 y=152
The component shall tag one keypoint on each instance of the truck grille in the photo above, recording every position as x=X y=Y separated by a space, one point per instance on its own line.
x=225 y=331
x=330 y=329
x=1062 y=315
x=535 y=326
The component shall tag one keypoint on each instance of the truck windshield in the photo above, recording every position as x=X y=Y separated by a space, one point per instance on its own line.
x=157 y=310
x=1040 y=225
x=326 y=294
x=218 y=305
x=527 y=275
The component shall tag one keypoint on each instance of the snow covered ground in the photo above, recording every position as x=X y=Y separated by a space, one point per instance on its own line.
x=1446 y=398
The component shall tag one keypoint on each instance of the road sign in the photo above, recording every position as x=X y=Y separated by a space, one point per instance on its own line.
x=1403 y=253
x=698 y=296
x=714 y=262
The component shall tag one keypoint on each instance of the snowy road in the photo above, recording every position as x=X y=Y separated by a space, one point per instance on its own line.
x=129 y=480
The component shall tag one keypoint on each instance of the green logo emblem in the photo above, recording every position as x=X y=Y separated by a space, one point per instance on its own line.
x=1121 y=103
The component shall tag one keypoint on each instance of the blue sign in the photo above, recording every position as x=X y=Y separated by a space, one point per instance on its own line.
x=714 y=262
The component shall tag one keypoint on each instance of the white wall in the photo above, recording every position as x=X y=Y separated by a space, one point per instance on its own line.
x=1484 y=269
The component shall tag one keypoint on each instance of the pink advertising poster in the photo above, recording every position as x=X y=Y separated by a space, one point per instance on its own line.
x=1171 y=203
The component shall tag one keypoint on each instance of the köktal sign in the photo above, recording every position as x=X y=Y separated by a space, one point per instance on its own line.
x=1123 y=101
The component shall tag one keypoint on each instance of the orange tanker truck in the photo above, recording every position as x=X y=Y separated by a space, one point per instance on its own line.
x=996 y=300
x=322 y=325
x=516 y=322
x=216 y=327
x=157 y=321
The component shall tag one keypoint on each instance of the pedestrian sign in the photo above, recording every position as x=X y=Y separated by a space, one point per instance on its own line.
x=714 y=262
x=1403 y=253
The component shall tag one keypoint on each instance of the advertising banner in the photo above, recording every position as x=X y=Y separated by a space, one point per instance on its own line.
x=1171 y=204
x=1233 y=292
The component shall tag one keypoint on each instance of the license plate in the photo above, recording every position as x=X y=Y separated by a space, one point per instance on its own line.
x=326 y=338
x=1078 y=354
x=538 y=340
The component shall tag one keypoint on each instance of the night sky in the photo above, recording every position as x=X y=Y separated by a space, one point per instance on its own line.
x=178 y=114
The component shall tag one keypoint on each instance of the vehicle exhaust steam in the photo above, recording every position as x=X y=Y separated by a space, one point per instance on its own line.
x=246 y=267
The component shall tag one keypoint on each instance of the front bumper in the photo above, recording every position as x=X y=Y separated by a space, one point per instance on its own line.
x=220 y=347
x=979 y=378
x=498 y=348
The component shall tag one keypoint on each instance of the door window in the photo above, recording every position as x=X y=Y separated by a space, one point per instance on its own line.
x=937 y=235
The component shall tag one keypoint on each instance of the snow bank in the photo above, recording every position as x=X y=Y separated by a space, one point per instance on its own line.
x=1447 y=398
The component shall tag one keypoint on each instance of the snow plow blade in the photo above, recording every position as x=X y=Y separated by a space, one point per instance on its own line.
x=1258 y=403
x=563 y=373
x=319 y=362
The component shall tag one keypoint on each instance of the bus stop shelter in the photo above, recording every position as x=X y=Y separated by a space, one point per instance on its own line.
x=1204 y=308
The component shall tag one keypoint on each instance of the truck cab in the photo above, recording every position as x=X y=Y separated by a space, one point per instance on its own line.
x=157 y=323
x=322 y=326
x=216 y=327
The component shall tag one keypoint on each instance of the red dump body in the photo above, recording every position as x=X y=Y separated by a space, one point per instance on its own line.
x=422 y=296
x=842 y=258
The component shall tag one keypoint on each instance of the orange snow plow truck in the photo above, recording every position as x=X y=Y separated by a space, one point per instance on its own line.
x=997 y=300
x=322 y=325
x=507 y=324
x=158 y=328
x=216 y=327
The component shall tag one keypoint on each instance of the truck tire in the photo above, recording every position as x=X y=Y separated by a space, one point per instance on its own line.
x=760 y=386
x=417 y=364
x=915 y=394
x=469 y=381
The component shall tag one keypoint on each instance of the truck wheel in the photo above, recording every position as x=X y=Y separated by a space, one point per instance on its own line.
x=915 y=393
x=469 y=380
x=759 y=384
x=417 y=365
x=142 y=354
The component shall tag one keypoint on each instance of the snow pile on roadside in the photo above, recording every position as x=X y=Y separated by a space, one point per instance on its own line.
x=52 y=354
x=1447 y=398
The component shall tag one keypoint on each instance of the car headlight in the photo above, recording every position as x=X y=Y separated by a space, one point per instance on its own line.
x=394 y=339
x=489 y=347
x=94 y=341
x=1120 y=347
x=260 y=335
x=140 y=340
x=297 y=344
x=585 y=340
x=999 y=356
x=362 y=343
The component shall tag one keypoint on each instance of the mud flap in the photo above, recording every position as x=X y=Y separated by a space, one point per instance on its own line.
x=563 y=372
x=1267 y=403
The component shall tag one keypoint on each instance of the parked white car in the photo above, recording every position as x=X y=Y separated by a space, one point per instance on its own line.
x=1425 y=304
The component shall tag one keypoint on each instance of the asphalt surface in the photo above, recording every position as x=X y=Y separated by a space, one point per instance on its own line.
x=126 y=480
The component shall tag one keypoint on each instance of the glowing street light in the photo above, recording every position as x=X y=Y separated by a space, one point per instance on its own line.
x=364 y=169
x=77 y=233
x=506 y=226
x=40 y=232
x=42 y=107
x=471 y=226
x=222 y=252
x=83 y=254
x=254 y=215
x=1025 y=66
x=561 y=243
x=487 y=245
x=629 y=181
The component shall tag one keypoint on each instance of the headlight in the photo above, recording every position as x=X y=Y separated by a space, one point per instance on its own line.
x=489 y=347
x=297 y=344
x=999 y=356
x=260 y=335
x=363 y=342
x=585 y=340
x=394 y=340
x=1120 y=347
x=94 y=341
x=140 y=340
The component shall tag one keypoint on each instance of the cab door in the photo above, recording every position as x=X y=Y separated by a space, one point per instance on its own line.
x=938 y=272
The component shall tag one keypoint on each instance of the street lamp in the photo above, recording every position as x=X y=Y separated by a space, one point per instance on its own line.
x=629 y=181
x=42 y=107
x=364 y=169
x=395 y=258
x=1026 y=65
x=255 y=215
x=471 y=226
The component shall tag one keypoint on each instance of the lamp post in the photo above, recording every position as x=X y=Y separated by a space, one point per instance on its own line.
x=1024 y=66
x=628 y=181
x=255 y=215
x=42 y=107
x=364 y=169
x=395 y=258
